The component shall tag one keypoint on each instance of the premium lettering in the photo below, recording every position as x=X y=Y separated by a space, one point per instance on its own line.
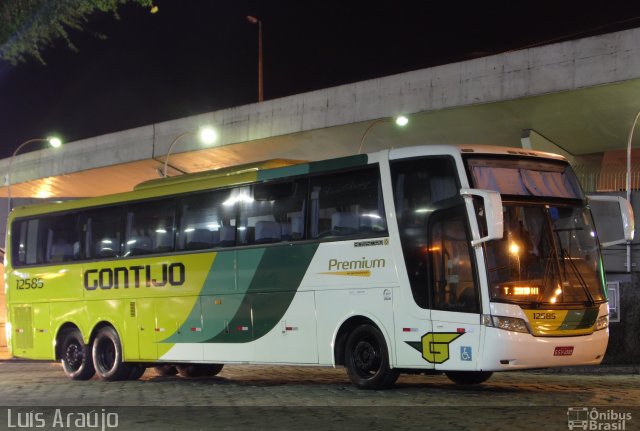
x=135 y=276
x=346 y=265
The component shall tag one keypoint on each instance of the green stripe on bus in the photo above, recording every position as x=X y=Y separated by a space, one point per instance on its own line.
x=222 y=284
x=580 y=319
x=272 y=289
x=341 y=163
x=243 y=304
x=289 y=171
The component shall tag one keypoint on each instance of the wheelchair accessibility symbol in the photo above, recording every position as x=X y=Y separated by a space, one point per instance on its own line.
x=466 y=353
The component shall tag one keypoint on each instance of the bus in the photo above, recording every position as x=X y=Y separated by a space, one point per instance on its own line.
x=463 y=260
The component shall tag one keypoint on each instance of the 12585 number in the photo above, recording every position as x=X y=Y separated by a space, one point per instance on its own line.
x=544 y=316
x=30 y=283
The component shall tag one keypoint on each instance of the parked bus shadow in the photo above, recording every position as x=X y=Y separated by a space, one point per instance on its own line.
x=406 y=383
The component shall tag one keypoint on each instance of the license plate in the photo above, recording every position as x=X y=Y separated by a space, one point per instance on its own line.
x=563 y=351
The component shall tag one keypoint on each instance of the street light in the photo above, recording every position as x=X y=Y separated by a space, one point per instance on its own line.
x=254 y=20
x=53 y=141
x=400 y=121
x=207 y=136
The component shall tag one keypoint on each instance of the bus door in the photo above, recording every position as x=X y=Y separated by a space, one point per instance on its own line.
x=453 y=292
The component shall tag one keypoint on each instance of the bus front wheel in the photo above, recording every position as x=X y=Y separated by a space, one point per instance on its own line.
x=468 y=377
x=76 y=357
x=367 y=359
x=107 y=356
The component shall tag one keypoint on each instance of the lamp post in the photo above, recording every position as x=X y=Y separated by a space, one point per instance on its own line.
x=207 y=135
x=400 y=121
x=254 y=20
x=53 y=141
x=633 y=126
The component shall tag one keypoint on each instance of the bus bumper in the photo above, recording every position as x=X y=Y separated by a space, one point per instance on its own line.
x=506 y=350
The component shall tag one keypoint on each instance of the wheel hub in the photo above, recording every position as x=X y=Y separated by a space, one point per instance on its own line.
x=366 y=357
x=74 y=356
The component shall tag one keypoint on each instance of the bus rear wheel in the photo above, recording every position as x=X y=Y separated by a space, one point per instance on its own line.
x=367 y=359
x=77 y=362
x=468 y=377
x=107 y=356
x=199 y=370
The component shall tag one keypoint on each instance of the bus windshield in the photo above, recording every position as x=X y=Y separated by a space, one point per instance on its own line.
x=519 y=177
x=548 y=255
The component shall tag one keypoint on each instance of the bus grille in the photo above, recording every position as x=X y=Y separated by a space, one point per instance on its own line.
x=23 y=328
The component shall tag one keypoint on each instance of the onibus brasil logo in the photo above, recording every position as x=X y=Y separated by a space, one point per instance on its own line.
x=594 y=419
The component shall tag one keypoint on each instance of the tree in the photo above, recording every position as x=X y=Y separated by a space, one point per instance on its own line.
x=28 y=26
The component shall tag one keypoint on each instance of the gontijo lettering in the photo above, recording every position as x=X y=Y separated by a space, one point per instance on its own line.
x=134 y=276
x=335 y=264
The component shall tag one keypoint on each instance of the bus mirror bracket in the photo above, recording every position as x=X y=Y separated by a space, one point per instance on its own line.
x=626 y=212
x=493 y=214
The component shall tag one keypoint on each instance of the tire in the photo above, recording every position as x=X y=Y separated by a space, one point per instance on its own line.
x=76 y=359
x=367 y=359
x=166 y=370
x=107 y=356
x=136 y=371
x=468 y=377
x=199 y=370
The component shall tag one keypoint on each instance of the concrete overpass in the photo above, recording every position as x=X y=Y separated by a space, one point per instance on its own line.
x=581 y=95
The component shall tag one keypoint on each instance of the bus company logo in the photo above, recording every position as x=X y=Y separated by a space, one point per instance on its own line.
x=434 y=346
x=354 y=268
x=135 y=276
x=594 y=419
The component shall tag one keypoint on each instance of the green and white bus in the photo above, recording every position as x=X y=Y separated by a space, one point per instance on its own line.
x=426 y=259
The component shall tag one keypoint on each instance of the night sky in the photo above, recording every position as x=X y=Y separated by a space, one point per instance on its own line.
x=196 y=56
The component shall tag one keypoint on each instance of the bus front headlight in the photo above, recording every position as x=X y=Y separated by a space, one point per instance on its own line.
x=507 y=323
x=602 y=322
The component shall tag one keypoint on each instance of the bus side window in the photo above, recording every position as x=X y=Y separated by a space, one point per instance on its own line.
x=421 y=186
x=103 y=227
x=453 y=287
x=274 y=213
x=150 y=227
x=347 y=204
x=206 y=220
x=25 y=241
x=62 y=236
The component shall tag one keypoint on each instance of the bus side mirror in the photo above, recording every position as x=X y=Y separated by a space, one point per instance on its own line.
x=492 y=211
x=625 y=214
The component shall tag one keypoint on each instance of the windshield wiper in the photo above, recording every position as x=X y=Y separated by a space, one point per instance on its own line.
x=564 y=255
x=576 y=272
